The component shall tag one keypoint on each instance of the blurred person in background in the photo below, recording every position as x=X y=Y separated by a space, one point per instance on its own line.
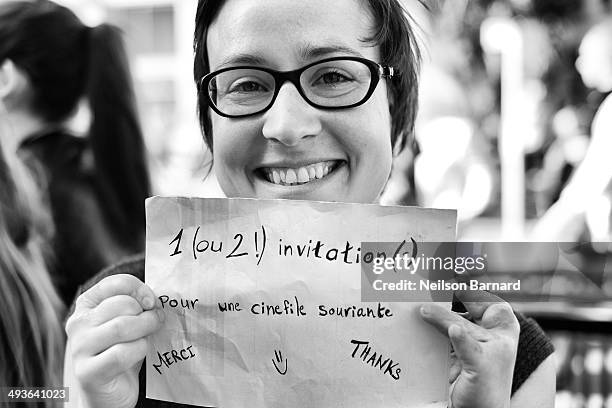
x=31 y=336
x=51 y=63
x=450 y=166
x=563 y=154
x=587 y=196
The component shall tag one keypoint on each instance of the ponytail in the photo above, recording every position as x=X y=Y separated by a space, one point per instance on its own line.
x=66 y=61
x=115 y=133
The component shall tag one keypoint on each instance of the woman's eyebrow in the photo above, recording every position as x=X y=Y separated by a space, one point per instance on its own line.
x=309 y=52
x=246 y=59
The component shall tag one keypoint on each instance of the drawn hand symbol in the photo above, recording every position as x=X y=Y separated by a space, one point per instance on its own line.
x=279 y=359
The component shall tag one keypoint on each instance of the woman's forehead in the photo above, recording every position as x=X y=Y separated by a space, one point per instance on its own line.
x=287 y=32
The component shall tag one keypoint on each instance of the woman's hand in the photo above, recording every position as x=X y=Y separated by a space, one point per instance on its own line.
x=484 y=352
x=107 y=340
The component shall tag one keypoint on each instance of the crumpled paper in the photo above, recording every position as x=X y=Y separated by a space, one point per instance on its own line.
x=205 y=255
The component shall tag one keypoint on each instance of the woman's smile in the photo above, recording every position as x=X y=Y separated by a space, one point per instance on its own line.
x=298 y=175
x=316 y=179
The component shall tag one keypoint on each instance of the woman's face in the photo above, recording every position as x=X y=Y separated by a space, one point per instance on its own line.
x=349 y=148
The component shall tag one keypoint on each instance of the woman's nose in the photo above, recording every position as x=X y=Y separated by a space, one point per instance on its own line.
x=291 y=118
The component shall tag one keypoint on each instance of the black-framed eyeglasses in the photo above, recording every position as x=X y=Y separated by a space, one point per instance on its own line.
x=331 y=83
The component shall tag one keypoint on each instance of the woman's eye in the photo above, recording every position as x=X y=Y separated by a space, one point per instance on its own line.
x=333 y=78
x=247 y=86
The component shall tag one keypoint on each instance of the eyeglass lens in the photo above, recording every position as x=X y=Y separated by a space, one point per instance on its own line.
x=337 y=83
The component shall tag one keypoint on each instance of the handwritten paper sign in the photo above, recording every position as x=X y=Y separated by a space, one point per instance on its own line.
x=263 y=307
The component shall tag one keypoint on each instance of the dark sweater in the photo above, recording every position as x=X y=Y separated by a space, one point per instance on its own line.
x=533 y=347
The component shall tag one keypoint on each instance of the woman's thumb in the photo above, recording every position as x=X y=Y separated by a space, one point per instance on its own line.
x=500 y=316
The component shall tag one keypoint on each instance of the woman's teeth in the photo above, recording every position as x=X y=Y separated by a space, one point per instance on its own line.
x=285 y=176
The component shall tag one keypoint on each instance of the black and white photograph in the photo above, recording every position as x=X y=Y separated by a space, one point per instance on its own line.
x=306 y=203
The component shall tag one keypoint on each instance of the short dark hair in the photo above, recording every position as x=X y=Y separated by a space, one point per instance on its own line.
x=394 y=35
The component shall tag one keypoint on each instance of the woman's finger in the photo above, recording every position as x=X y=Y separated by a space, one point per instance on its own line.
x=110 y=308
x=442 y=318
x=467 y=349
x=501 y=317
x=114 y=285
x=112 y=362
x=477 y=301
x=122 y=329
x=455 y=369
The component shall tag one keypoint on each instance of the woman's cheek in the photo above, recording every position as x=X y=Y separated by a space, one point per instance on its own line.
x=230 y=159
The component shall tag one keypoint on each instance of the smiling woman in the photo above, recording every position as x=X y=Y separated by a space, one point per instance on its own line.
x=296 y=134
x=302 y=100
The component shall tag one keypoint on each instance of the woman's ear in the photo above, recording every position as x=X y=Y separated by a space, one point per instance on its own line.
x=13 y=82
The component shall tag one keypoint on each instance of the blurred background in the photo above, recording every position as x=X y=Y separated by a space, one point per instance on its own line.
x=506 y=117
